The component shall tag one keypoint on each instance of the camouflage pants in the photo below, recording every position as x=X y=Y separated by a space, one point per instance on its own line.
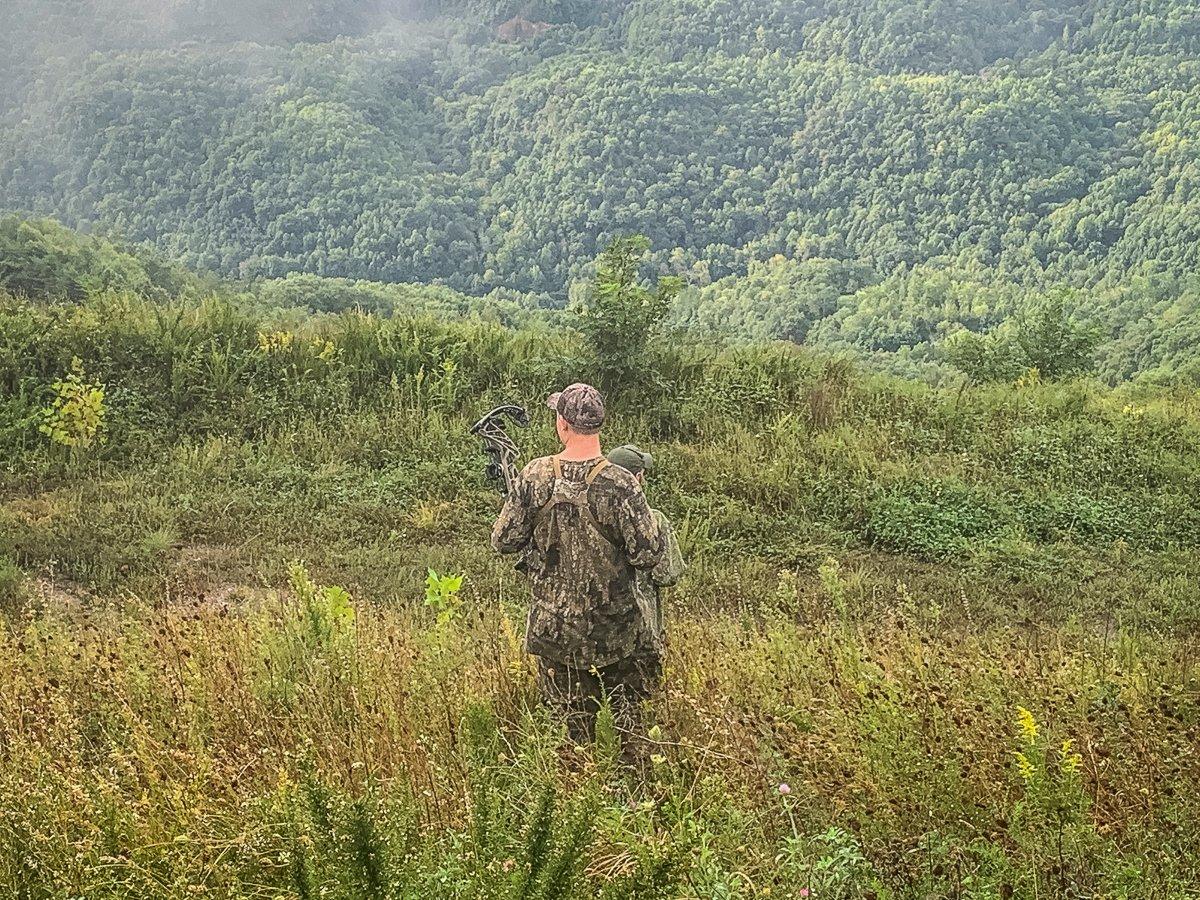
x=576 y=693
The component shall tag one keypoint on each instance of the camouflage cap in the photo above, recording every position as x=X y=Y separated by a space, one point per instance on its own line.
x=631 y=458
x=581 y=406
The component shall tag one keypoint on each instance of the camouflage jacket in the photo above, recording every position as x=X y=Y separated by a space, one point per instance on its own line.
x=649 y=584
x=582 y=537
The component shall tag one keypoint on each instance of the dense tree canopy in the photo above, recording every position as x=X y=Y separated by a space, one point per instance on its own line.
x=867 y=174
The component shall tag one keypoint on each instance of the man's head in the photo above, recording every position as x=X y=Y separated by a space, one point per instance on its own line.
x=579 y=410
x=633 y=459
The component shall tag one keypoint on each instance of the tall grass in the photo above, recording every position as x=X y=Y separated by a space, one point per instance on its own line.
x=305 y=746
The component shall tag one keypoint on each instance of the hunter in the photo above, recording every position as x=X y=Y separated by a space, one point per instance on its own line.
x=584 y=531
x=639 y=463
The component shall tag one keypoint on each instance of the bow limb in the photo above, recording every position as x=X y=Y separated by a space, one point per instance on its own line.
x=501 y=449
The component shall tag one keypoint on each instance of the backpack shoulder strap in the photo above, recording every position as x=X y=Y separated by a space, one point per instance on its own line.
x=586 y=507
x=555 y=499
x=580 y=501
x=596 y=470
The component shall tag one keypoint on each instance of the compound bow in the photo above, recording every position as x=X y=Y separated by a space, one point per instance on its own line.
x=502 y=451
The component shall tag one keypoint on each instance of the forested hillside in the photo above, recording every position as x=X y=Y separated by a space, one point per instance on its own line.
x=863 y=174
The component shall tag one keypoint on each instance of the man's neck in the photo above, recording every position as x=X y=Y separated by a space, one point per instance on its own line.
x=581 y=447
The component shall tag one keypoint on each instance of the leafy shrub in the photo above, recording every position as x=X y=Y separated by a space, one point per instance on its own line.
x=620 y=317
x=1083 y=518
x=1053 y=341
x=936 y=519
x=1044 y=337
x=311 y=644
x=985 y=357
x=76 y=417
x=828 y=864
x=441 y=595
x=41 y=258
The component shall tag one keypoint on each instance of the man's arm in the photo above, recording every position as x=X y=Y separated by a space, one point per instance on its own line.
x=640 y=535
x=669 y=571
x=514 y=528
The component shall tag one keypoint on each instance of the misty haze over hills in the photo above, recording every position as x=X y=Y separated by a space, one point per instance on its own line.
x=862 y=174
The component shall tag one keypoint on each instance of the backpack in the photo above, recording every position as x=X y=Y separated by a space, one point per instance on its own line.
x=585 y=608
x=565 y=526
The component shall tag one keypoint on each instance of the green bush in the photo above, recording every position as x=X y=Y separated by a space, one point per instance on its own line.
x=620 y=318
x=41 y=258
x=1044 y=339
x=937 y=519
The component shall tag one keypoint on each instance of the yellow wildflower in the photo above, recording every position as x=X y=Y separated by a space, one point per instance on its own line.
x=1029 y=725
x=1024 y=766
x=1030 y=377
x=274 y=341
x=1070 y=761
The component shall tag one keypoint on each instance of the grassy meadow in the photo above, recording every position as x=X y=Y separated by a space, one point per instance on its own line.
x=931 y=642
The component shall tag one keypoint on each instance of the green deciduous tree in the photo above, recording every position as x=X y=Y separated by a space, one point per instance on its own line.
x=1052 y=340
x=1044 y=337
x=621 y=317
